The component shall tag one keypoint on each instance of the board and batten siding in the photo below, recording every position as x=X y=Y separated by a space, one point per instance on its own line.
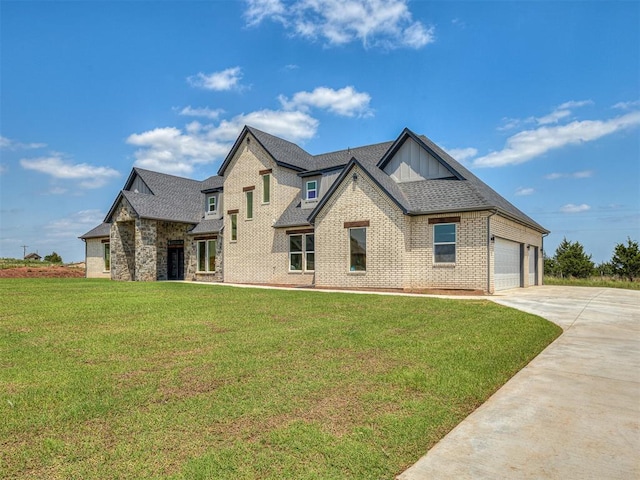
x=412 y=162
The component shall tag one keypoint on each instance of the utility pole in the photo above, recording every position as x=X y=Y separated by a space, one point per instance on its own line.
x=24 y=248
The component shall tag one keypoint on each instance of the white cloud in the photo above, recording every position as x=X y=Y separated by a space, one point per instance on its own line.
x=74 y=225
x=529 y=144
x=258 y=10
x=571 y=208
x=553 y=117
x=524 y=191
x=462 y=154
x=346 y=101
x=8 y=144
x=219 y=81
x=172 y=150
x=89 y=176
x=580 y=174
x=205 y=112
x=627 y=105
x=384 y=23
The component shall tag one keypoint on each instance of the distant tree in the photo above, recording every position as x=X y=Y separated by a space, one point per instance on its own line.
x=572 y=261
x=550 y=266
x=605 y=269
x=626 y=260
x=53 y=258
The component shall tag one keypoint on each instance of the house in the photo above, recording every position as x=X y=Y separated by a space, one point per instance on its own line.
x=401 y=214
x=33 y=256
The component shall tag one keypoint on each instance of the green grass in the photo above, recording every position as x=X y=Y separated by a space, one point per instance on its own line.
x=103 y=379
x=606 y=282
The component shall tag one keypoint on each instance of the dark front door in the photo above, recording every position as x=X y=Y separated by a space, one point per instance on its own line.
x=176 y=263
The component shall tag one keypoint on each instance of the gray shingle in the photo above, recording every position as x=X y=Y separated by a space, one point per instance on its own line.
x=294 y=215
x=208 y=226
x=102 y=230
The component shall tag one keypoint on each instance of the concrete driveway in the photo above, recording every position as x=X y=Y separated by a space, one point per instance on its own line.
x=572 y=413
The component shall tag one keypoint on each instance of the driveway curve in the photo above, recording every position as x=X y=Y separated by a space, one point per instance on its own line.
x=572 y=413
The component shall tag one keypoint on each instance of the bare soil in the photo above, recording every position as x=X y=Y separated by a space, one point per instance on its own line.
x=58 y=271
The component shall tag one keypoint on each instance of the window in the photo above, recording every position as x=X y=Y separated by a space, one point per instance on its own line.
x=266 y=188
x=358 y=249
x=444 y=243
x=312 y=190
x=107 y=256
x=207 y=256
x=249 y=197
x=234 y=227
x=310 y=255
x=211 y=202
x=301 y=253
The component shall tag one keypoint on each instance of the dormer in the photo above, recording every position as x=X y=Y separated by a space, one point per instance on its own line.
x=213 y=204
x=315 y=184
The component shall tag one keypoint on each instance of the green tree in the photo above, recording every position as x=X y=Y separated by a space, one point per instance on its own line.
x=572 y=261
x=550 y=266
x=626 y=260
x=53 y=258
x=605 y=269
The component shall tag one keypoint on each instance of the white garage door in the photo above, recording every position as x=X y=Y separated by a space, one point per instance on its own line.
x=507 y=261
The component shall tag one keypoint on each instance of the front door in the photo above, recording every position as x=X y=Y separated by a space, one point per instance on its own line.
x=176 y=263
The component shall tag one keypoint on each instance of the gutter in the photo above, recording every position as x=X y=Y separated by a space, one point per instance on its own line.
x=489 y=251
x=542 y=251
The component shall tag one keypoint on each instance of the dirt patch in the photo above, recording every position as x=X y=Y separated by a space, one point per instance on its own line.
x=59 y=271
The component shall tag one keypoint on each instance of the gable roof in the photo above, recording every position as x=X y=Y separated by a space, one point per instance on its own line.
x=173 y=198
x=285 y=153
x=463 y=192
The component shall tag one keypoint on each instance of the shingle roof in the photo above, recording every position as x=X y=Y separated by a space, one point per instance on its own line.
x=462 y=192
x=212 y=183
x=181 y=199
x=102 y=230
x=173 y=198
x=208 y=226
x=294 y=215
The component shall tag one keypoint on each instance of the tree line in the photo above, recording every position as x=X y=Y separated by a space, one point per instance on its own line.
x=570 y=260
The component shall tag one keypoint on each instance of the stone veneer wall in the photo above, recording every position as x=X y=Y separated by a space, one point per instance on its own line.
x=166 y=231
x=191 y=268
x=146 y=250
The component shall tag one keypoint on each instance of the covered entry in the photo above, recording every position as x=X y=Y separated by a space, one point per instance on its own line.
x=175 y=260
x=507 y=264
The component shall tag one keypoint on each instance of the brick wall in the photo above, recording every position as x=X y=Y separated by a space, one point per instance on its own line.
x=358 y=201
x=260 y=255
x=470 y=268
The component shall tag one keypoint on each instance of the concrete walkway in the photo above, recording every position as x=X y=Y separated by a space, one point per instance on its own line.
x=572 y=413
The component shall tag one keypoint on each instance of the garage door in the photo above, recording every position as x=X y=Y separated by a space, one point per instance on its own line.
x=507 y=262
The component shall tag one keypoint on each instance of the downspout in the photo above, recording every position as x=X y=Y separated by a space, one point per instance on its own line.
x=542 y=251
x=489 y=251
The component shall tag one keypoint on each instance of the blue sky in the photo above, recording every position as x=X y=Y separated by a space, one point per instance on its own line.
x=540 y=99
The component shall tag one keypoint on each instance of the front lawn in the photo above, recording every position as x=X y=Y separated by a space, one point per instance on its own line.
x=102 y=379
x=606 y=282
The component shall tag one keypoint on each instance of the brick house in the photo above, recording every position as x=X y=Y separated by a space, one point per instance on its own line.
x=401 y=214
